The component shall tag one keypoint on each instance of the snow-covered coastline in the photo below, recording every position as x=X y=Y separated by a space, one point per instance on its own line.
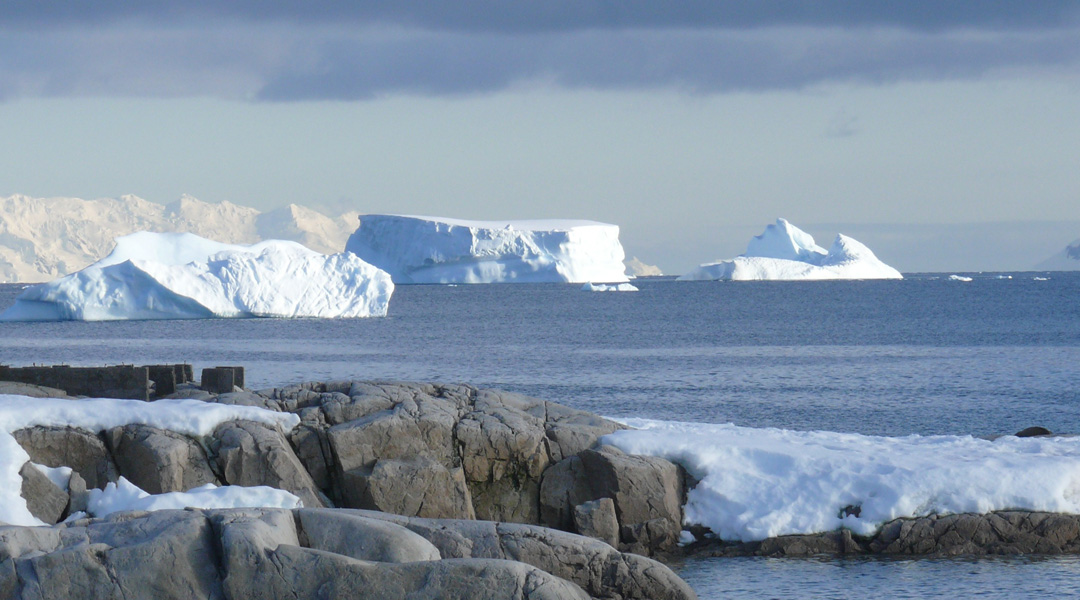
x=440 y=250
x=786 y=253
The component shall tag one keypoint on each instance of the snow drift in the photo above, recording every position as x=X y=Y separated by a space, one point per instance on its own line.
x=437 y=250
x=785 y=252
x=184 y=276
x=760 y=483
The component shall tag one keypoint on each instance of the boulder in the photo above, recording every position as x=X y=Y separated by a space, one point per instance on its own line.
x=417 y=486
x=597 y=519
x=250 y=454
x=363 y=538
x=160 y=461
x=646 y=491
x=44 y=500
x=81 y=450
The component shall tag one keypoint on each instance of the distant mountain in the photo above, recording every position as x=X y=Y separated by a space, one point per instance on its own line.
x=45 y=238
x=1066 y=260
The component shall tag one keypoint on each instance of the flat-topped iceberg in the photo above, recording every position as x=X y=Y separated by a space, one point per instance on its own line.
x=437 y=250
x=184 y=276
x=785 y=252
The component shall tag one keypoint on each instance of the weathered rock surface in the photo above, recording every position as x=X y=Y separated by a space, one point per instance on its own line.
x=44 y=500
x=250 y=453
x=159 y=461
x=646 y=492
x=417 y=486
x=244 y=554
x=81 y=450
x=1003 y=532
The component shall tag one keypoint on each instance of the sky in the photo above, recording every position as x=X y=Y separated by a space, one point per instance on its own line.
x=944 y=134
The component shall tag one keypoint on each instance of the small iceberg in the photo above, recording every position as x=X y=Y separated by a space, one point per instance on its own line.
x=786 y=253
x=602 y=287
x=184 y=276
x=959 y=278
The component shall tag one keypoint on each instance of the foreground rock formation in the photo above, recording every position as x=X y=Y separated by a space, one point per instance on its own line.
x=316 y=553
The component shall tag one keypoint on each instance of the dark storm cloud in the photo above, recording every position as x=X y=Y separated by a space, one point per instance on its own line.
x=285 y=51
x=506 y=16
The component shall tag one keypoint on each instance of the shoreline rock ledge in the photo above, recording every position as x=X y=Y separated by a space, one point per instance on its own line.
x=410 y=490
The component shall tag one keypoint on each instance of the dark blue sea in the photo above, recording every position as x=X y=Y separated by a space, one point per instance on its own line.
x=926 y=355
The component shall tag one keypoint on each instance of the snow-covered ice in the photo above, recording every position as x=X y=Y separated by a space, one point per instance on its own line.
x=759 y=483
x=785 y=252
x=188 y=417
x=438 y=250
x=603 y=287
x=184 y=276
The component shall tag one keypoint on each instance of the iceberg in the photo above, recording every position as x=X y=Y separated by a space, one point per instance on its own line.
x=184 y=276
x=761 y=483
x=437 y=250
x=785 y=252
x=601 y=287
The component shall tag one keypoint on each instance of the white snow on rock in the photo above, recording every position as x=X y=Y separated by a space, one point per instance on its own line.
x=126 y=496
x=45 y=238
x=760 y=483
x=188 y=417
x=184 y=276
x=785 y=252
x=602 y=287
x=438 y=250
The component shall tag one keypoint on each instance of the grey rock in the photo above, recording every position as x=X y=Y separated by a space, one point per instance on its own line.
x=363 y=538
x=28 y=389
x=18 y=541
x=43 y=499
x=646 y=490
x=596 y=519
x=417 y=486
x=77 y=493
x=159 y=461
x=250 y=454
x=69 y=447
x=1033 y=432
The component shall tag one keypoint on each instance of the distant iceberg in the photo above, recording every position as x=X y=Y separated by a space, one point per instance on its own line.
x=601 y=287
x=785 y=252
x=184 y=276
x=438 y=250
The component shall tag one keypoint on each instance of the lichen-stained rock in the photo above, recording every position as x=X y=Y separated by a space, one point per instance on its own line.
x=417 y=486
x=646 y=490
x=158 y=460
x=81 y=450
x=363 y=538
x=598 y=568
x=44 y=500
x=250 y=453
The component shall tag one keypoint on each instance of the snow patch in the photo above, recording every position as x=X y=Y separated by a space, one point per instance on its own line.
x=184 y=276
x=126 y=496
x=440 y=250
x=760 y=483
x=785 y=252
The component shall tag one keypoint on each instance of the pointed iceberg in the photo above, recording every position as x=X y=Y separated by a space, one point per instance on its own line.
x=184 y=276
x=785 y=252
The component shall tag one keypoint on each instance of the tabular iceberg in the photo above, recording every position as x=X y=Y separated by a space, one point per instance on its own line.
x=437 y=250
x=184 y=276
x=785 y=252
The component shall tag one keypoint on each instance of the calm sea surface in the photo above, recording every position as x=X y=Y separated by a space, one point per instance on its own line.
x=924 y=355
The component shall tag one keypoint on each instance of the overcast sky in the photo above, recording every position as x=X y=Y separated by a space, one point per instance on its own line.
x=944 y=134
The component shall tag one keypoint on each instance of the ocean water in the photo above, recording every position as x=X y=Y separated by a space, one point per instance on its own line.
x=925 y=355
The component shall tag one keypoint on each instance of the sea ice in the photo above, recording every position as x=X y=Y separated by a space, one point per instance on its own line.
x=785 y=252
x=438 y=250
x=760 y=483
x=188 y=417
x=601 y=287
x=184 y=276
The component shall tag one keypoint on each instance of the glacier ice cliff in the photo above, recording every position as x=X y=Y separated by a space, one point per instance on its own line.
x=184 y=276
x=785 y=252
x=438 y=250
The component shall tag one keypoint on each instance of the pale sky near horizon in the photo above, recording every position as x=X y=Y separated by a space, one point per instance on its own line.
x=946 y=136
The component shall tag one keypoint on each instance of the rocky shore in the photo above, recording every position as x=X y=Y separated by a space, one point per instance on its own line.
x=409 y=490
